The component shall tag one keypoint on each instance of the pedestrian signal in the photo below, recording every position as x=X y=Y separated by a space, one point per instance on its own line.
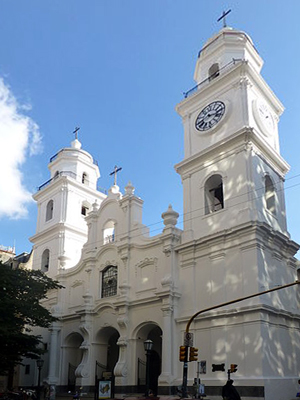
x=193 y=354
x=182 y=353
x=233 y=368
x=218 y=367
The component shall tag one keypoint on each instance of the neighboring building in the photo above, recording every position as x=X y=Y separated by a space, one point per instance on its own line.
x=23 y=260
x=123 y=286
x=6 y=253
x=8 y=257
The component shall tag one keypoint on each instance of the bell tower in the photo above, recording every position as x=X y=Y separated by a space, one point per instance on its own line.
x=232 y=171
x=63 y=203
x=235 y=241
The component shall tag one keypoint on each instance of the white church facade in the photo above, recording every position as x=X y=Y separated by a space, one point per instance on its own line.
x=122 y=287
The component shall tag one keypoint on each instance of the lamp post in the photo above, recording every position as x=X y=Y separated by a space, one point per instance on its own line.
x=148 y=344
x=39 y=364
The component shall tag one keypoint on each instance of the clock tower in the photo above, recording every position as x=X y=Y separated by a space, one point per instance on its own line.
x=235 y=241
x=232 y=171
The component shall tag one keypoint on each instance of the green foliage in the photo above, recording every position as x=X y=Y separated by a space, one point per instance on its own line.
x=20 y=310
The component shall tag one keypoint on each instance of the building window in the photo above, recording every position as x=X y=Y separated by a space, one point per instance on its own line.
x=45 y=260
x=270 y=194
x=49 y=210
x=213 y=71
x=84 y=179
x=214 y=200
x=84 y=210
x=109 y=232
x=27 y=369
x=109 y=281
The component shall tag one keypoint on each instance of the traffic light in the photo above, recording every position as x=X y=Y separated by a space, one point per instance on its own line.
x=218 y=367
x=233 y=368
x=182 y=353
x=193 y=354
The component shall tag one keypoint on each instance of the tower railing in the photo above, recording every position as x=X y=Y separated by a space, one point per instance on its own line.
x=221 y=71
x=57 y=175
x=95 y=162
x=70 y=174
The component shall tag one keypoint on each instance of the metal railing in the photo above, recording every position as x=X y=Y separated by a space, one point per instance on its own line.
x=221 y=71
x=141 y=375
x=62 y=173
x=101 y=189
x=70 y=174
x=95 y=162
x=109 y=239
x=71 y=377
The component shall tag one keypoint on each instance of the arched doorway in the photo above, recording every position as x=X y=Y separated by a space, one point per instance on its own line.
x=154 y=333
x=73 y=357
x=107 y=354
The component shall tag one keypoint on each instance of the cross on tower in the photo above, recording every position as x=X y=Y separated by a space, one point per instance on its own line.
x=223 y=18
x=75 y=132
x=115 y=171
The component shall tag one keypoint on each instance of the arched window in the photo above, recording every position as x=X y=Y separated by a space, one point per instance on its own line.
x=45 y=260
x=85 y=208
x=109 y=281
x=213 y=190
x=49 y=210
x=84 y=179
x=270 y=194
x=213 y=71
x=109 y=232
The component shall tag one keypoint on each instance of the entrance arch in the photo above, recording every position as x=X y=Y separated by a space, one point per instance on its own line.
x=108 y=352
x=153 y=332
x=73 y=357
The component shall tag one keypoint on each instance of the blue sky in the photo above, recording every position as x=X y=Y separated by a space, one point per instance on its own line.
x=117 y=69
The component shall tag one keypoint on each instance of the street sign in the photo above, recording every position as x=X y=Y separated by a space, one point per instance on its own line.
x=188 y=339
x=202 y=367
x=218 y=367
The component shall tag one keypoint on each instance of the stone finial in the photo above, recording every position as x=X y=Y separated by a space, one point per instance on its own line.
x=170 y=216
x=129 y=189
x=95 y=206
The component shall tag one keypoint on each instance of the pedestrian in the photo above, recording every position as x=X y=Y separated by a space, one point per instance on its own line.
x=229 y=392
x=76 y=396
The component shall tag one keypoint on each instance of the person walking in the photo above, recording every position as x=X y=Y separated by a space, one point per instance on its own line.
x=229 y=392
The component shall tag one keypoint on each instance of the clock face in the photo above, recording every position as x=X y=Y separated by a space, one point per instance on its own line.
x=210 y=116
x=265 y=116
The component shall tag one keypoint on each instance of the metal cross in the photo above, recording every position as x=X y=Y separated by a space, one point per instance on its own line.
x=75 y=131
x=115 y=171
x=223 y=18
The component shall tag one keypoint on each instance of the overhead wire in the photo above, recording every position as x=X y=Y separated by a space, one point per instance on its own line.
x=184 y=217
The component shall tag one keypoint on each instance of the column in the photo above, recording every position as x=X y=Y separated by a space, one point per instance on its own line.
x=166 y=375
x=53 y=353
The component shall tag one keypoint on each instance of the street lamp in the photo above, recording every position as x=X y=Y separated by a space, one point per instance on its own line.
x=148 y=344
x=39 y=364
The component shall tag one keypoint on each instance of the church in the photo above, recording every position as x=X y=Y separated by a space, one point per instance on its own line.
x=123 y=287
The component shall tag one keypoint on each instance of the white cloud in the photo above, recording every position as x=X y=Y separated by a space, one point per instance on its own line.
x=19 y=138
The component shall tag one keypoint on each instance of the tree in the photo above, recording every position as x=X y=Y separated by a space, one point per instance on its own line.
x=20 y=310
